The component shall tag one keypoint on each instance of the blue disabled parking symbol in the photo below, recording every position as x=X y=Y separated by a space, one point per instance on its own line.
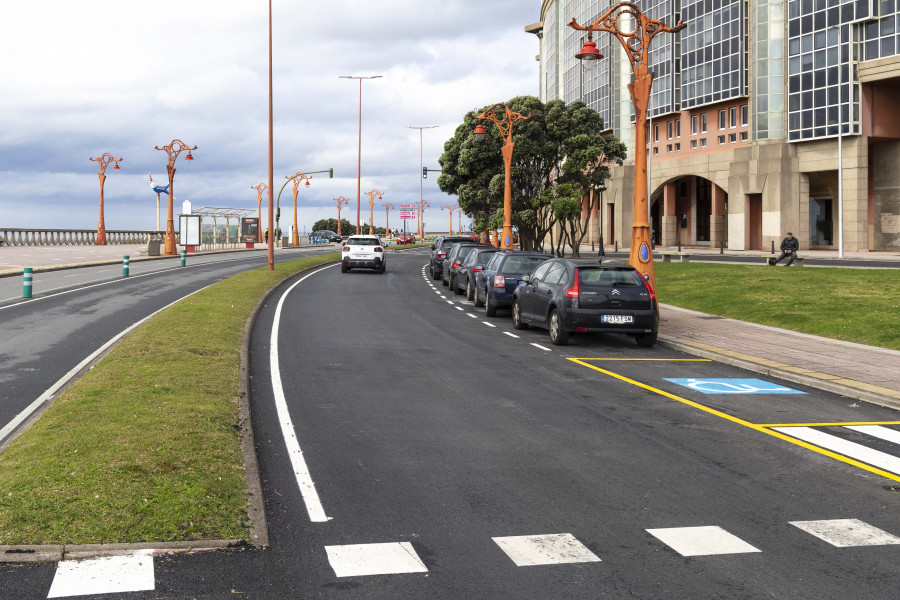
x=734 y=386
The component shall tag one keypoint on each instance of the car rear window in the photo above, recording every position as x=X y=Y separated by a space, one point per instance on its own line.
x=522 y=264
x=362 y=242
x=608 y=277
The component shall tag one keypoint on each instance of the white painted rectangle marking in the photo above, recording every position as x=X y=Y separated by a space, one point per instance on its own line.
x=459 y=308
x=553 y=549
x=701 y=541
x=106 y=575
x=448 y=301
x=845 y=533
x=471 y=315
x=541 y=347
x=512 y=335
x=883 y=433
x=488 y=324
x=374 y=559
x=876 y=458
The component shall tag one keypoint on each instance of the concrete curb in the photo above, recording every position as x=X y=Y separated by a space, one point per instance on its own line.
x=56 y=553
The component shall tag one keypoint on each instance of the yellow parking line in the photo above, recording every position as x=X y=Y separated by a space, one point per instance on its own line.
x=650 y=359
x=761 y=428
x=831 y=424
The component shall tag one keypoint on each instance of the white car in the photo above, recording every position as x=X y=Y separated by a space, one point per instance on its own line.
x=363 y=251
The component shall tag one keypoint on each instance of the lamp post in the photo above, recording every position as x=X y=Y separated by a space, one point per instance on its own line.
x=421 y=179
x=423 y=204
x=173 y=149
x=259 y=192
x=635 y=39
x=387 y=223
x=341 y=201
x=297 y=178
x=104 y=161
x=450 y=208
x=371 y=194
x=359 y=155
x=504 y=122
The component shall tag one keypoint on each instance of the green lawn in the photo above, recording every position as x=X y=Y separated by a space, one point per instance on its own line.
x=857 y=305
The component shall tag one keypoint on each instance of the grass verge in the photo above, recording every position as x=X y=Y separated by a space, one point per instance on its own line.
x=856 y=305
x=146 y=446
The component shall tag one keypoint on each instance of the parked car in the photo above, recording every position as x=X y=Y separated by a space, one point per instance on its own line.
x=455 y=257
x=406 y=238
x=439 y=250
x=470 y=267
x=327 y=235
x=583 y=295
x=495 y=285
x=363 y=251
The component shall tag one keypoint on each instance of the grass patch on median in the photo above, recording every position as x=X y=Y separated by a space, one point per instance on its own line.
x=856 y=305
x=146 y=446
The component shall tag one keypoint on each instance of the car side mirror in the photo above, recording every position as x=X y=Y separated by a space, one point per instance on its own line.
x=432 y=246
x=526 y=278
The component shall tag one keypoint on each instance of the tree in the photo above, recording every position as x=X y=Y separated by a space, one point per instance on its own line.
x=473 y=169
x=332 y=225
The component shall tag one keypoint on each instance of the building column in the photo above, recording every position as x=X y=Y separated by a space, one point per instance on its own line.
x=718 y=222
x=670 y=217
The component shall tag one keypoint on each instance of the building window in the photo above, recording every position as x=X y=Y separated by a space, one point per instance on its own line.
x=669 y=129
x=732 y=116
x=721 y=139
x=703 y=142
x=655 y=150
x=668 y=147
x=722 y=119
x=693 y=144
x=677 y=147
x=678 y=128
x=694 y=125
x=656 y=133
x=744 y=115
x=703 y=123
x=732 y=137
x=743 y=136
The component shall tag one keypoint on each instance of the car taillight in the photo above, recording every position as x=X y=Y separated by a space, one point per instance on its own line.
x=499 y=281
x=379 y=249
x=649 y=289
x=442 y=255
x=454 y=265
x=346 y=248
x=476 y=269
x=572 y=292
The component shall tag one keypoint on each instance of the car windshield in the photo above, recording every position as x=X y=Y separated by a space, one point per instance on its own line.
x=590 y=277
x=464 y=251
x=362 y=242
x=521 y=264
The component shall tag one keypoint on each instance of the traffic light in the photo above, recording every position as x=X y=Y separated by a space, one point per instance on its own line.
x=424 y=172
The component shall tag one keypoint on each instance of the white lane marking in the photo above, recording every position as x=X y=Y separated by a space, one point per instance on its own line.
x=541 y=347
x=701 y=541
x=374 y=559
x=488 y=324
x=471 y=315
x=459 y=308
x=31 y=408
x=448 y=301
x=304 y=480
x=876 y=458
x=512 y=335
x=845 y=533
x=106 y=575
x=878 y=431
x=555 y=549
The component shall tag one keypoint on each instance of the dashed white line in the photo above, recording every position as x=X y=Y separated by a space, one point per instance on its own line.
x=448 y=301
x=488 y=324
x=542 y=347
x=471 y=315
x=512 y=335
x=459 y=308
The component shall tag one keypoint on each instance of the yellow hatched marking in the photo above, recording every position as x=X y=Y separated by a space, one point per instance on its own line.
x=761 y=428
x=831 y=424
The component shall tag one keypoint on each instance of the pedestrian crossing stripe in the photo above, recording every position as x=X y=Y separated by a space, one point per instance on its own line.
x=702 y=541
x=844 y=533
x=553 y=549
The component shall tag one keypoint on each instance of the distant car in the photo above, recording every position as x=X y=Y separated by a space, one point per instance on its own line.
x=472 y=265
x=406 y=238
x=327 y=235
x=584 y=295
x=495 y=285
x=439 y=250
x=363 y=251
x=458 y=253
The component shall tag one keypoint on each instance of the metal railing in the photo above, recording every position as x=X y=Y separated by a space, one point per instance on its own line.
x=71 y=237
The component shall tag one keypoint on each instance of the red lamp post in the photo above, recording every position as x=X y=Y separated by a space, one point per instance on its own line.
x=450 y=208
x=371 y=194
x=173 y=149
x=297 y=177
x=504 y=121
x=387 y=223
x=104 y=161
x=423 y=204
x=635 y=39
x=259 y=192
x=341 y=201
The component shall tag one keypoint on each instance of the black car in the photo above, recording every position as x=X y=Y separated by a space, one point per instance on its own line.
x=495 y=285
x=567 y=296
x=458 y=252
x=439 y=250
x=470 y=267
x=327 y=235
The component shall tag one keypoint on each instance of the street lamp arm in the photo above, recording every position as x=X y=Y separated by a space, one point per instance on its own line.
x=174 y=148
x=504 y=122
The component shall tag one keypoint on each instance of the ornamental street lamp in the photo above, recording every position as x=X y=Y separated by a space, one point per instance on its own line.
x=173 y=149
x=371 y=194
x=341 y=201
x=387 y=223
x=104 y=161
x=635 y=35
x=297 y=177
x=504 y=122
x=450 y=208
x=259 y=192
x=359 y=155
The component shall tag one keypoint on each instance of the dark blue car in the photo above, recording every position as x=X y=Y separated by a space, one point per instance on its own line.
x=494 y=286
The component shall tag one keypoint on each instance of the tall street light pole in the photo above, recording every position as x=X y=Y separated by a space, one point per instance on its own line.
x=359 y=155
x=271 y=244
x=504 y=119
x=422 y=179
x=259 y=192
x=635 y=38
x=104 y=161
x=371 y=194
x=173 y=149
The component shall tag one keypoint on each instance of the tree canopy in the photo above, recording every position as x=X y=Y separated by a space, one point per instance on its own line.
x=559 y=144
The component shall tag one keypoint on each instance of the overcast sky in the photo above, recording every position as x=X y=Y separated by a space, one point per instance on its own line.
x=88 y=77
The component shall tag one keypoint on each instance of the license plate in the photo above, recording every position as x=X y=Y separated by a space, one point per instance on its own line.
x=617 y=319
x=360 y=255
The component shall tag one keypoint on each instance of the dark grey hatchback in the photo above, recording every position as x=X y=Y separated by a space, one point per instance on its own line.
x=583 y=295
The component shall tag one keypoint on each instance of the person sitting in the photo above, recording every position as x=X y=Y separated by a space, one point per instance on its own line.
x=789 y=247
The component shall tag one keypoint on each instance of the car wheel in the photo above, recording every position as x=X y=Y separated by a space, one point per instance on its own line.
x=478 y=301
x=517 y=316
x=381 y=269
x=344 y=268
x=470 y=291
x=558 y=335
x=490 y=308
x=459 y=291
x=444 y=282
x=646 y=340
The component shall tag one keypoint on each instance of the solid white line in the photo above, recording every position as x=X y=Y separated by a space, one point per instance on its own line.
x=541 y=347
x=31 y=408
x=512 y=335
x=304 y=480
x=488 y=324
x=883 y=433
x=876 y=458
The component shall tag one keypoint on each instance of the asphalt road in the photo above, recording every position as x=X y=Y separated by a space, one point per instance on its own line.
x=444 y=453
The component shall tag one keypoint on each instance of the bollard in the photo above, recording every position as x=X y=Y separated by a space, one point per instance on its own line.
x=125 y=266
x=773 y=246
x=721 y=246
x=183 y=256
x=679 y=245
x=26 y=282
x=617 y=245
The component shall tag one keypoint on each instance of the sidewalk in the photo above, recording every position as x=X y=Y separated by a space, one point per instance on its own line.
x=853 y=370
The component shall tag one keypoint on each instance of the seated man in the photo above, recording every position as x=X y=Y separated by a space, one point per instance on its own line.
x=789 y=247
